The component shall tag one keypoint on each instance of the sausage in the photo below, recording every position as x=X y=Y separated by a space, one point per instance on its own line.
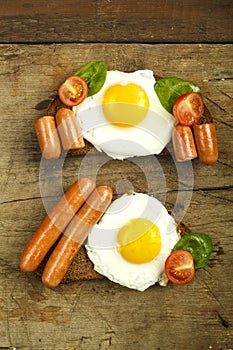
x=47 y=136
x=183 y=143
x=74 y=235
x=54 y=223
x=68 y=129
x=206 y=142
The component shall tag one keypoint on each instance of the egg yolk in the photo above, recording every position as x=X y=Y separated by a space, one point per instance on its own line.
x=125 y=105
x=139 y=241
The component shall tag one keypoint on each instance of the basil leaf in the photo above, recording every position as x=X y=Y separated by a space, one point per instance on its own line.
x=199 y=245
x=169 y=89
x=94 y=73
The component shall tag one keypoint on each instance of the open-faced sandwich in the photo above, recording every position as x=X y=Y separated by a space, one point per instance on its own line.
x=128 y=114
x=132 y=241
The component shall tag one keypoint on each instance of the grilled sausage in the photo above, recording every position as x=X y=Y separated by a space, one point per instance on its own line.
x=206 y=142
x=68 y=129
x=47 y=136
x=74 y=235
x=183 y=143
x=54 y=223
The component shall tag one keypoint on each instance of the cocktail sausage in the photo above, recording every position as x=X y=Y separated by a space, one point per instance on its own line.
x=47 y=136
x=206 y=142
x=183 y=143
x=54 y=223
x=69 y=129
x=74 y=235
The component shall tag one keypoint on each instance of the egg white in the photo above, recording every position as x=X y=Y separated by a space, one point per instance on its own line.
x=102 y=245
x=148 y=137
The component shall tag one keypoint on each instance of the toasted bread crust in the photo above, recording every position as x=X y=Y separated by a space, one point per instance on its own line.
x=81 y=268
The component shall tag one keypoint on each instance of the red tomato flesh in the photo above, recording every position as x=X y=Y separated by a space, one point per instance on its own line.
x=179 y=267
x=73 y=91
x=188 y=108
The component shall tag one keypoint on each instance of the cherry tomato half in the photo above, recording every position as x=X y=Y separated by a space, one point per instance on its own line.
x=179 y=267
x=73 y=91
x=188 y=108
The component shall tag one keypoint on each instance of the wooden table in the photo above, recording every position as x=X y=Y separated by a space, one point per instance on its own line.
x=43 y=42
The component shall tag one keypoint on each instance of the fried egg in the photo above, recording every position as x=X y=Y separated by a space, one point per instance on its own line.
x=131 y=242
x=125 y=118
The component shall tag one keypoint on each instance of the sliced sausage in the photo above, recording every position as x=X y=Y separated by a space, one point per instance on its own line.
x=183 y=143
x=206 y=142
x=54 y=223
x=47 y=136
x=74 y=235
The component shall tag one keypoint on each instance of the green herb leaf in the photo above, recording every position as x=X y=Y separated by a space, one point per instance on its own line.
x=169 y=89
x=199 y=245
x=94 y=73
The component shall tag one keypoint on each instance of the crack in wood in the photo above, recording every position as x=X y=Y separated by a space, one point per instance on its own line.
x=105 y=342
x=27 y=199
x=221 y=198
x=225 y=164
x=222 y=320
x=228 y=125
x=228 y=187
x=225 y=94
x=212 y=294
x=217 y=105
x=219 y=79
x=200 y=189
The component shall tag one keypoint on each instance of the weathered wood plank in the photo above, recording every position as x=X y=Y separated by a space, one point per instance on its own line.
x=32 y=74
x=116 y=21
x=86 y=315
x=100 y=314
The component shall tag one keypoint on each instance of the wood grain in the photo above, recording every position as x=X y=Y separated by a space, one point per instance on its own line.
x=100 y=314
x=116 y=21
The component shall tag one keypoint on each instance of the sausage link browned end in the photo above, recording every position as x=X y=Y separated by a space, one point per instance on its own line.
x=54 y=223
x=47 y=136
x=69 y=129
x=74 y=235
x=206 y=143
x=183 y=143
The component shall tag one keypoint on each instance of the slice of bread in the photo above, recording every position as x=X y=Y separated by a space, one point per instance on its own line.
x=82 y=268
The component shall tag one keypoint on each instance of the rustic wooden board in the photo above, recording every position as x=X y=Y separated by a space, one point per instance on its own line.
x=101 y=314
x=116 y=21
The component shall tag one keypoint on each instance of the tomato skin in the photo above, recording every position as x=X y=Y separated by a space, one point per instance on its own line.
x=73 y=91
x=179 y=267
x=188 y=108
